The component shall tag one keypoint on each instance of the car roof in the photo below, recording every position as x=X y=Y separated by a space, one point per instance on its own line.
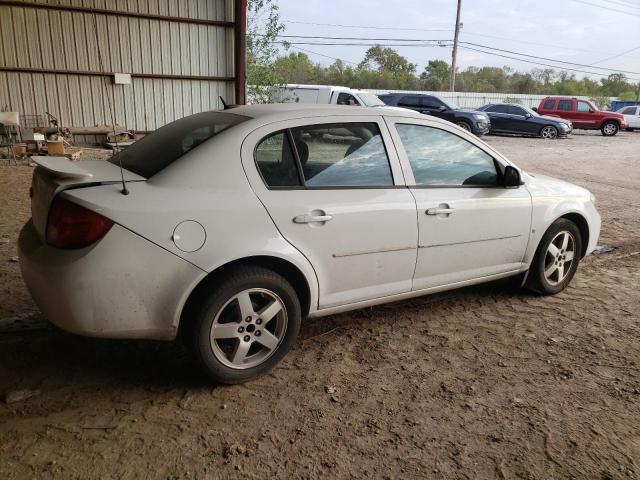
x=283 y=111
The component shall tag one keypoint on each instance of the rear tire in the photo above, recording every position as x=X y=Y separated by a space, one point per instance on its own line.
x=556 y=259
x=243 y=328
x=609 y=129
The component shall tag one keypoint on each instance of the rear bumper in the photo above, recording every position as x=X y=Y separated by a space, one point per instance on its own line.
x=123 y=286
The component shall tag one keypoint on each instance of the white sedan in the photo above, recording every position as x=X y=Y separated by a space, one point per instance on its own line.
x=235 y=225
x=631 y=116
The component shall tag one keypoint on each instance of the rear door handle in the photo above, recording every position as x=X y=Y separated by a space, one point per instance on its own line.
x=312 y=218
x=439 y=211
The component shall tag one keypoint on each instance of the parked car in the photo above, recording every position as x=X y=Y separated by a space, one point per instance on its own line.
x=326 y=94
x=518 y=119
x=631 y=116
x=240 y=223
x=470 y=120
x=583 y=114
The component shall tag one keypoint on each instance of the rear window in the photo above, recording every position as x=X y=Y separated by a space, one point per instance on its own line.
x=161 y=148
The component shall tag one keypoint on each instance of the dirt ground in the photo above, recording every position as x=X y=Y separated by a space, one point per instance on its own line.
x=483 y=382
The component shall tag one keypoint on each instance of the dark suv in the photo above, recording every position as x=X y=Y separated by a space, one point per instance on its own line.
x=473 y=121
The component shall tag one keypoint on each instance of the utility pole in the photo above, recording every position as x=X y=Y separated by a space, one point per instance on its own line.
x=452 y=83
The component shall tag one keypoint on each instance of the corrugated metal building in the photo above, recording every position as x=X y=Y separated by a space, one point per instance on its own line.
x=181 y=55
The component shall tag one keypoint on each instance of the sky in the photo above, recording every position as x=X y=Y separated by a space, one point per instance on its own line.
x=578 y=31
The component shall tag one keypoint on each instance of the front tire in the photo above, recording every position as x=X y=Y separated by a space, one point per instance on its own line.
x=246 y=324
x=464 y=125
x=549 y=132
x=556 y=259
x=609 y=129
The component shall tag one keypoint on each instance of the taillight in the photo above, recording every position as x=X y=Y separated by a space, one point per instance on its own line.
x=73 y=226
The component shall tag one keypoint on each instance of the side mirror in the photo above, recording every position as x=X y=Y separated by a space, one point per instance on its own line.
x=528 y=116
x=511 y=177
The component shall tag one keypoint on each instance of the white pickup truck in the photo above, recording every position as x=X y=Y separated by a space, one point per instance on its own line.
x=295 y=93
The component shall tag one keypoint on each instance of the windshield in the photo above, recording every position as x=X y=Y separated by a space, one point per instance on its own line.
x=161 y=148
x=370 y=100
x=533 y=113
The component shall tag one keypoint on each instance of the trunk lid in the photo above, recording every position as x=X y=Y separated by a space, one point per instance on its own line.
x=52 y=175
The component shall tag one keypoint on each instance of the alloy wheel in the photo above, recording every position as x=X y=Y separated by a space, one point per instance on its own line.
x=609 y=129
x=464 y=126
x=548 y=132
x=559 y=258
x=248 y=329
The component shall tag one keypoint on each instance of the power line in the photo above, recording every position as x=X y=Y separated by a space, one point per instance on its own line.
x=463 y=32
x=323 y=55
x=441 y=42
x=618 y=55
x=607 y=8
x=538 y=63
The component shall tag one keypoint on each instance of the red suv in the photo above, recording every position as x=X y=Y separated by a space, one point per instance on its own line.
x=583 y=114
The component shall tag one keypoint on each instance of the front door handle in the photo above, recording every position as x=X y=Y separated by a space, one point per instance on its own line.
x=439 y=211
x=311 y=218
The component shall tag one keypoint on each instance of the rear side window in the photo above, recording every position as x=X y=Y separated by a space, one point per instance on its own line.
x=497 y=109
x=164 y=146
x=516 y=111
x=565 y=105
x=549 y=104
x=325 y=156
x=342 y=155
x=628 y=111
x=276 y=161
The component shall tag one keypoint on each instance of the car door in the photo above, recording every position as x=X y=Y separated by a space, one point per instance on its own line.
x=583 y=115
x=469 y=227
x=410 y=101
x=433 y=106
x=334 y=189
x=567 y=109
x=499 y=118
x=521 y=122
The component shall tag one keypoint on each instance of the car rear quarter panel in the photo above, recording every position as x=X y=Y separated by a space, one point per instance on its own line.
x=207 y=185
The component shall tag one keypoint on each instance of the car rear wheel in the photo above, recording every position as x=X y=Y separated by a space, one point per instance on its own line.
x=549 y=132
x=244 y=326
x=464 y=125
x=556 y=259
x=609 y=129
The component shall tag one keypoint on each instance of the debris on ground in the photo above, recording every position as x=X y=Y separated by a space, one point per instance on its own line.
x=16 y=396
x=603 y=249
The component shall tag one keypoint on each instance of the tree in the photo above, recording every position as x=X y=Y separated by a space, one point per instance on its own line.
x=394 y=70
x=263 y=28
x=296 y=68
x=436 y=75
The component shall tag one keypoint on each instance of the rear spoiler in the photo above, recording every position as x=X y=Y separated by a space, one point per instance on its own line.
x=62 y=167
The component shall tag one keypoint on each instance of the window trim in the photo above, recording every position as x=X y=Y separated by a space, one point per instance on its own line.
x=299 y=169
x=405 y=159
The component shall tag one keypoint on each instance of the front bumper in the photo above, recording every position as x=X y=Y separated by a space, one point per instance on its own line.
x=481 y=128
x=123 y=286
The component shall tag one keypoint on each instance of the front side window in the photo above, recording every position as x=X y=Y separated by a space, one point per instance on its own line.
x=549 y=104
x=431 y=102
x=583 y=107
x=440 y=158
x=565 y=105
x=347 y=99
x=628 y=111
x=161 y=148
x=276 y=161
x=342 y=155
x=411 y=101
x=516 y=111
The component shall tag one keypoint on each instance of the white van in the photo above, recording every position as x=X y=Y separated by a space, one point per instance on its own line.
x=327 y=94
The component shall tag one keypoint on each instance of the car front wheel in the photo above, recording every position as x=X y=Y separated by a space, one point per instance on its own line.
x=549 y=132
x=609 y=129
x=244 y=326
x=464 y=125
x=556 y=259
